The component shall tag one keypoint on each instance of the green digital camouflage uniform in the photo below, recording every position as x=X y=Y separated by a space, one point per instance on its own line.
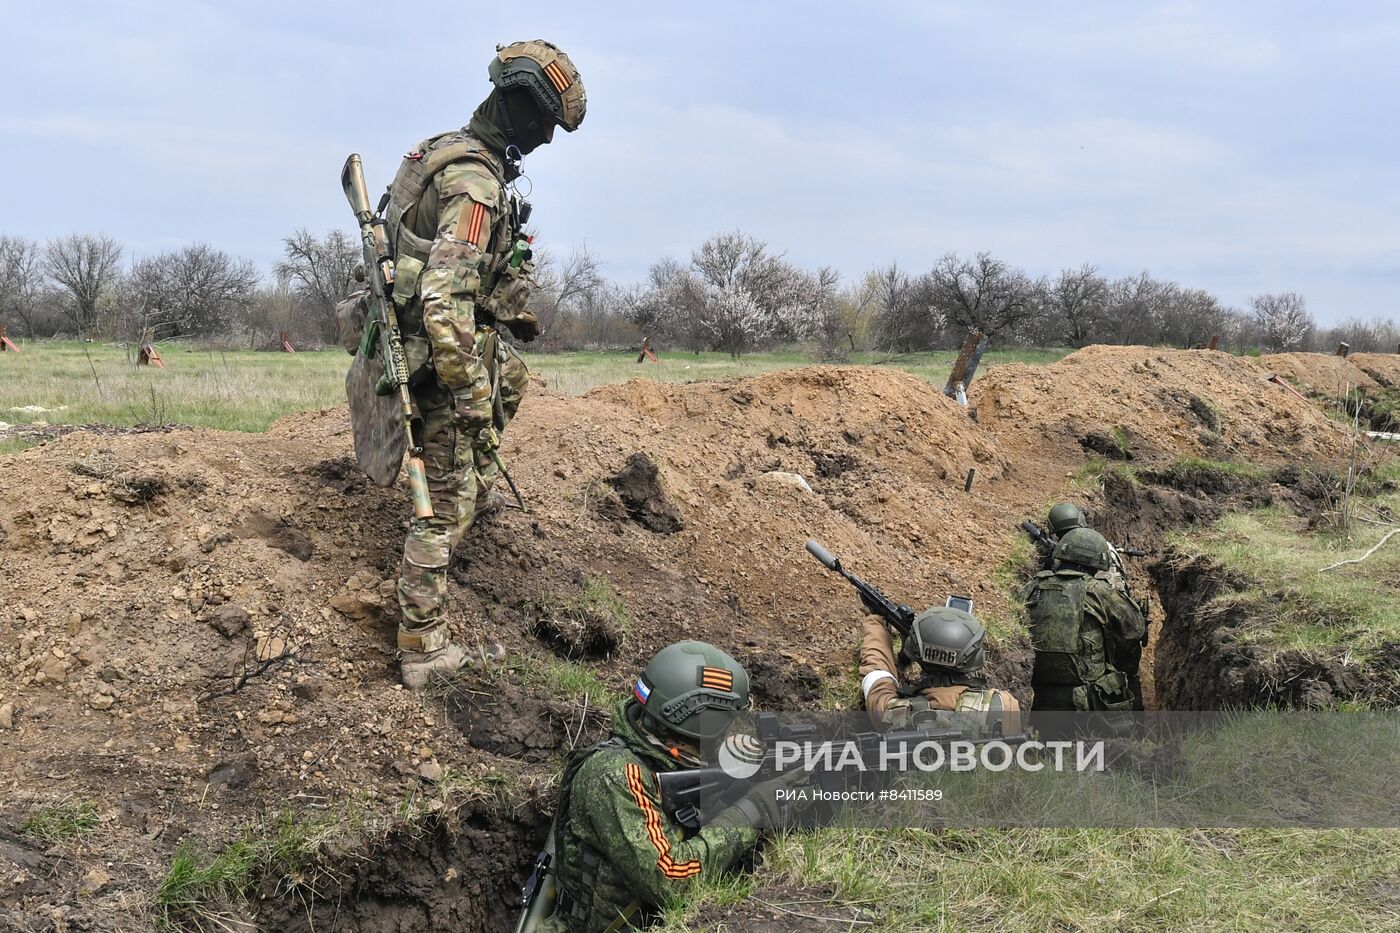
x=618 y=855
x=1088 y=642
x=448 y=308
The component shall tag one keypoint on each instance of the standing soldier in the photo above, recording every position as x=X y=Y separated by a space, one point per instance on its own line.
x=1087 y=635
x=947 y=644
x=461 y=262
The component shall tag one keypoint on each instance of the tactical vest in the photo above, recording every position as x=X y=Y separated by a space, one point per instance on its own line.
x=408 y=194
x=978 y=711
x=1065 y=652
x=1069 y=648
x=574 y=903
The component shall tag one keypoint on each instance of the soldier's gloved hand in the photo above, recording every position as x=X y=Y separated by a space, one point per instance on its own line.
x=898 y=714
x=469 y=414
x=779 y=801
x=524 y=327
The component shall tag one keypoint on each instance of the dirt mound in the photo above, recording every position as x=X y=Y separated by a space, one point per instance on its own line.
x=1154 y=404
x=1382 y=367
x=1331 y=376
x=196 y=626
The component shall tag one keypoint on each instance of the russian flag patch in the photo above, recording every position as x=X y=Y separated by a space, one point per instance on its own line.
x=641 y=691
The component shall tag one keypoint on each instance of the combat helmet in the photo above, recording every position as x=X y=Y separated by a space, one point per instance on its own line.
x=1064 y=516
x=948 y=639
x=547 y=73
x=692 y=689
x=1084 y=547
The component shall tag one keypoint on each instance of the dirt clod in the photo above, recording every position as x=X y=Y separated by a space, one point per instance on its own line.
x=229 y=620
x=638 y=486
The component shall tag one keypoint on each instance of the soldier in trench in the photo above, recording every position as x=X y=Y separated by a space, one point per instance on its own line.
x=1087 y=634
x=618 y=859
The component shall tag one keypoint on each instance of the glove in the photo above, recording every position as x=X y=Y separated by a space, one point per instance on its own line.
x=898 y=714
x=487 y=440
x=777 y=802
x=524 y=327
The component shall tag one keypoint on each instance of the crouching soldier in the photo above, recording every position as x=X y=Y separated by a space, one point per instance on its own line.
x=613 y=858
x=946 y=644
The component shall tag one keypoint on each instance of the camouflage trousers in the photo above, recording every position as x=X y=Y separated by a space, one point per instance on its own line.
x=459 y=481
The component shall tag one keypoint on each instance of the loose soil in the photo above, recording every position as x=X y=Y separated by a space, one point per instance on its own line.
x=196 y=627
x=1327 y=376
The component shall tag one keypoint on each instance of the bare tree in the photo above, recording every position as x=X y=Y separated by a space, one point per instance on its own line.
x=193 y=290
x=1192 y=316
x=906 y=319
x=320 y=272
x=573 y=282
x=1077 y=302
x=1283 y=320
x=87 y=268
x=21 y=280
x=1363 y=336
x=982 y=293
x=1134 y=309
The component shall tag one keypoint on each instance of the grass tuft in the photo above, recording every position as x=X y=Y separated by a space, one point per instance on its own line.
x=56 y=822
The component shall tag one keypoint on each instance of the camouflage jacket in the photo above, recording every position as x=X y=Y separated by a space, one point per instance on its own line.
x=1084 y=631
x=615 y=832
x=453 y=232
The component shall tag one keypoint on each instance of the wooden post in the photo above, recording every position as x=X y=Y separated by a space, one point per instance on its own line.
x=959 y=373
x=286 y=340
x=5 y=343
x=1214 y=342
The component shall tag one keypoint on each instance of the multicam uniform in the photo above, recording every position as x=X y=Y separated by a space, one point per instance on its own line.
x=968 y=702
x=619 y=858
x=452 y=226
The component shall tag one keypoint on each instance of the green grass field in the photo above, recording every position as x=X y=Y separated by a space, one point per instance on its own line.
x=240 y=390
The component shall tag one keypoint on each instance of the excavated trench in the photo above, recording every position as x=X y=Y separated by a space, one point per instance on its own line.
x=1199 y=660
x=461 y=867
x=458 y=870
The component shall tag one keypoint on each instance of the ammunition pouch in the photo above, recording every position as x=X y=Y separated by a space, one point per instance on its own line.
x=351 y=313
x=407 y=272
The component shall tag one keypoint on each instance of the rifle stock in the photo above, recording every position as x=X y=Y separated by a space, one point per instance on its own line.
x=379 y=274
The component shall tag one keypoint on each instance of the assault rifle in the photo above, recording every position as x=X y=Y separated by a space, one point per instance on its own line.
x=692 y=798
x=896 y=615
x=381 y=332
x=1045 y=542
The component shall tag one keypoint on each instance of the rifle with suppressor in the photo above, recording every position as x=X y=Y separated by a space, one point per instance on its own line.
x=896 y=615
x=381 y=333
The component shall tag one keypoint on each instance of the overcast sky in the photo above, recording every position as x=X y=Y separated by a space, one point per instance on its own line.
x=1234 y=146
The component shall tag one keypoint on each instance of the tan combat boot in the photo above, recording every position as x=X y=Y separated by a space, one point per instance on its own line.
x=489 y=504
x=425 y=656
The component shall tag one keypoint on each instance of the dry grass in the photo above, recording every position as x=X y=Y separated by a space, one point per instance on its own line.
x=74 y=383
